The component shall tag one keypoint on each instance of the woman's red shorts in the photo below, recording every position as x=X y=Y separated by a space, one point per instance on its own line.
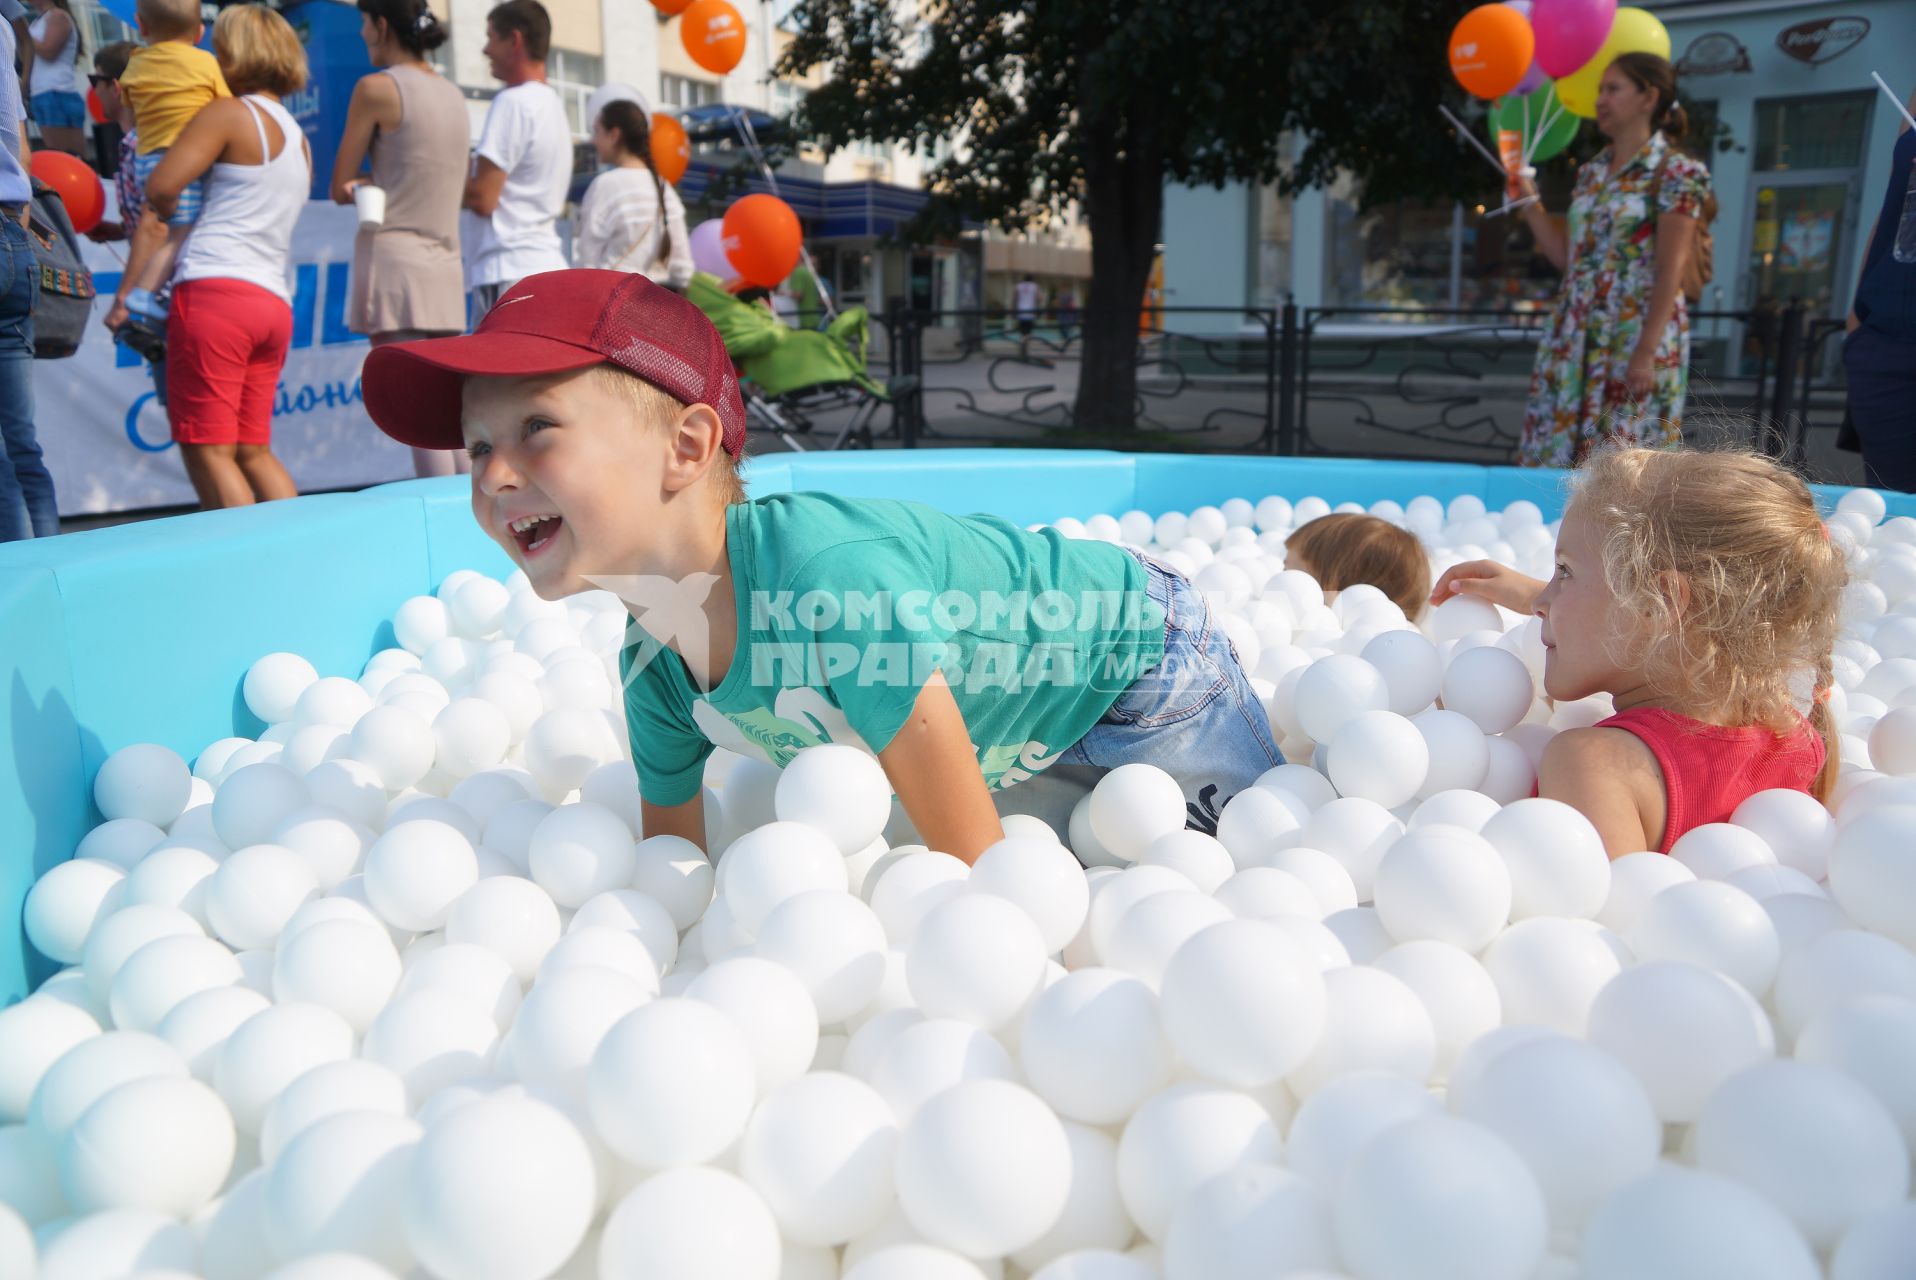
x=226 y=342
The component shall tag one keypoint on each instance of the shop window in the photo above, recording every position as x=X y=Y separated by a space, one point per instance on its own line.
x=574 y=76
x=1825 y=132
x=1397 y=254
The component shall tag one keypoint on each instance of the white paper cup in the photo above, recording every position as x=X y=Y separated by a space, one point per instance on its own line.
x=371 y=203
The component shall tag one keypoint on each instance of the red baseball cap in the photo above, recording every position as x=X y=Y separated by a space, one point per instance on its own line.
x=555 y=322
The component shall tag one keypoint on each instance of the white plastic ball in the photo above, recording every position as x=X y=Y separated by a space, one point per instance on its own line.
x=984 y=1168
x=819 y=1149
x=272 y=1049
x=1380 y=756
x=1681 y=1030
x=1356 y=832
x=564 y=746
x=1265 y=893
x=1798 y=829
x=416 y=871
x=340 y=1185
x=1412 y=671
x=1249 y=1223
x=1243 y=1003
x=64 y=904
x=1182 y=1138
x=770 y=1008
x=1456 y=990
x=1391 y=1218
x=671 y=1084
x=1548 y=970
x=34 y=1034
x=274 y=683
x=977 y=958
x=673 y=872
x=255 y=892
x=114 y=939
x=1873 y=1039
x=1556 y=859
x=1869 y=872
x=838 y=790
x=1373 y=1021
x=1635 y=879
x=144 y=781
x=1577 y=1117
x=1444 y=884
x=327 y=1090
x=1718 y=850
x=834 y=944
x=1092 y=1046
x=1134 y=804
x=1839 y=965
x=1333 y=690
x=1459 y=616
x=159 y=1142
x=1877 y=1247
x=1676 y=1223
x=119 y=1242
x=930 y=1056
x=1489 y=686
x=1711 y=924
x=347 y=966
x=562 y=1022
x=511 y=917
x=502 y=1188
x=1152 y=930
x=1259 y=821
x=768 y=867
x=694 y=1223
x=431 y=1043
x=1041 y=879
x=253 y=801
x=164 y=972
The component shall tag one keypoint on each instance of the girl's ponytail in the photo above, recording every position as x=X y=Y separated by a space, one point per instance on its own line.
x=1824 y=723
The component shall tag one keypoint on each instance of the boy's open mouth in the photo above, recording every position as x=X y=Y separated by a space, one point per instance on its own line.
x=534 y=532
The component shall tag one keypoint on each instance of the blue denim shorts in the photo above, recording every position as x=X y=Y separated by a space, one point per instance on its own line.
x=58 y=109
x=187 y=212
x=1196 y=716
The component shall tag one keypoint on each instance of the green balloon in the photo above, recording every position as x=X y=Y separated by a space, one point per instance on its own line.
x=1508 y=113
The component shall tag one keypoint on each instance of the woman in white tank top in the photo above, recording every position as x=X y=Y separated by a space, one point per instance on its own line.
x=232 y=317
x=53 y=81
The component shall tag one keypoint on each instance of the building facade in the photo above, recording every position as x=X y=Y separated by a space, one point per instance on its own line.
x=1782 y=108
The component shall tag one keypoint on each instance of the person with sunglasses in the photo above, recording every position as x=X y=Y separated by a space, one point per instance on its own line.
x=108 y=64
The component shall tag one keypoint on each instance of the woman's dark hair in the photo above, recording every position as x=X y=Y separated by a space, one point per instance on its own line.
x=627 y=120
x=1648 y=71
x=412 y=23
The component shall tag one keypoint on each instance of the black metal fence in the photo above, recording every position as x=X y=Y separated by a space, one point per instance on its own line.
x=1380 y=382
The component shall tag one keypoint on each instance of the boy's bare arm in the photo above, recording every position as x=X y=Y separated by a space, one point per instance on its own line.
x=934 y=771
x=685 y=820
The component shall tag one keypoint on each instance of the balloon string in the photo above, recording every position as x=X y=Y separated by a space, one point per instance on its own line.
x=1552 y=111
x=1471 y=138
x=1891 y=95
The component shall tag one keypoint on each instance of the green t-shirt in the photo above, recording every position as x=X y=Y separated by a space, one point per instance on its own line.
x=846 y=607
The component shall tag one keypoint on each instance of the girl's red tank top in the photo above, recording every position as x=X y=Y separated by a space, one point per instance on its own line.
x=1709 y=769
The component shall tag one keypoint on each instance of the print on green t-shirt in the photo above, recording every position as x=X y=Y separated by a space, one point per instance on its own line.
x=846 y=607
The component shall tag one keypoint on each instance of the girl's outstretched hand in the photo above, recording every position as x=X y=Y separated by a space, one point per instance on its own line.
x=1488 y=580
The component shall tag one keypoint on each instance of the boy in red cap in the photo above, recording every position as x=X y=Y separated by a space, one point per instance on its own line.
x=606 y=430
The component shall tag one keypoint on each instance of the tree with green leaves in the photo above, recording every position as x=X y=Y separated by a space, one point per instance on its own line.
x=1099 y=103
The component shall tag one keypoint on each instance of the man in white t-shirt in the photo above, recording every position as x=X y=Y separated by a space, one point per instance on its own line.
x=1025 y=296
x=523 y=163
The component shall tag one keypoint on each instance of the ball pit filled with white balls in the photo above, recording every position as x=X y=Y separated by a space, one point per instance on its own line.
x=400 y=989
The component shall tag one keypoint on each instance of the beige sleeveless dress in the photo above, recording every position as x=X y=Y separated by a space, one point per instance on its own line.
x=407 y=275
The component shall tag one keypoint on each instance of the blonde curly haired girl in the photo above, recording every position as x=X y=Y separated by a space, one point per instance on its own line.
x=1701 y=591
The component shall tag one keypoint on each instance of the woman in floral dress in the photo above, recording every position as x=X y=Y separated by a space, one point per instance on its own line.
x=1613 y=362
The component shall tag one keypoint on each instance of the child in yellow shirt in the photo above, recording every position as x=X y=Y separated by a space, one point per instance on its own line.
x=165 y=84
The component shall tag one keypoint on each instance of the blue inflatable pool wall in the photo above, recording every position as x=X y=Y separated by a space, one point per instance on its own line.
x=142 y=632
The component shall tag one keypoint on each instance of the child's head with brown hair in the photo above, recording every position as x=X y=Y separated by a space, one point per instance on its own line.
x=161 y=20
x=258 y=51
x=1343 y=549
x=603 y=418
x=1705 y=579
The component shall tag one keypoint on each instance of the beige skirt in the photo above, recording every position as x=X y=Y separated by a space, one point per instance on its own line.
x=405 y=281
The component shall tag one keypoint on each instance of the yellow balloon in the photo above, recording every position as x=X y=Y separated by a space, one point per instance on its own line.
x=1634 y=31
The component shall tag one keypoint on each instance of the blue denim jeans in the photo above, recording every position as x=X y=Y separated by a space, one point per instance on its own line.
x=1196 y=716
x=27 y=508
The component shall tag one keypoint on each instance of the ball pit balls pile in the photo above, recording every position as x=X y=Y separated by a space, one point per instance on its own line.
x=399 y=989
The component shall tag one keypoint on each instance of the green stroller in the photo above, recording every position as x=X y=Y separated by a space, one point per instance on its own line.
x=789 y=376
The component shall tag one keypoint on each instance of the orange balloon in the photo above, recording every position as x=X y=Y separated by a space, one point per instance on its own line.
x=670 y=6
x=761 y=238
x=714 y=34
x=1490 y=50
x=94 y=107
x=78 y=187
x=671 y=149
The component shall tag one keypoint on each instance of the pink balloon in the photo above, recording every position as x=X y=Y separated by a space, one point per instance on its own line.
x=1534 y=78
x=1569 y=32
x=708 y=249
